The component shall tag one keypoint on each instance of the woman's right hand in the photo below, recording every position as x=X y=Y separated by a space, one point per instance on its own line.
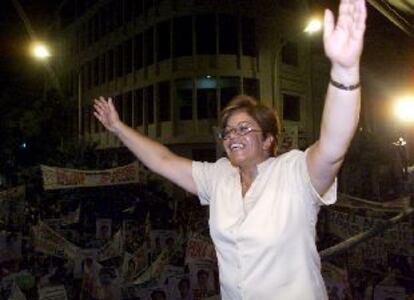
x=106 y=113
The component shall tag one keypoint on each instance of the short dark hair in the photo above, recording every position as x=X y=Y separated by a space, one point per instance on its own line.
x=266 y=117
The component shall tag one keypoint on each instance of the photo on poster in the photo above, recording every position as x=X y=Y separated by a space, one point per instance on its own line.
x=202 y=279
x=103 y=229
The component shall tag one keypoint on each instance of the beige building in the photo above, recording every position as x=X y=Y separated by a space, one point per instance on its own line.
x=172 y=65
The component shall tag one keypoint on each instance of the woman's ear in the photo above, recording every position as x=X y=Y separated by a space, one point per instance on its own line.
x=268 y=142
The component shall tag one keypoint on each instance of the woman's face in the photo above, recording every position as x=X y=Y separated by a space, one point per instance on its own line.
x=243 y=140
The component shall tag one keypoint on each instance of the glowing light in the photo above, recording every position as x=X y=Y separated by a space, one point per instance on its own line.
x=404 y=109
x=313 y=26
x=41 y=51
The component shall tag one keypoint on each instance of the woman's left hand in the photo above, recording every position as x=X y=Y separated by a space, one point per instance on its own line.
x=343 y=41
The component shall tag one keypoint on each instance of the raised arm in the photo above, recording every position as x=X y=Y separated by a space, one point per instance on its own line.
x=343 y=43
x=152 y=154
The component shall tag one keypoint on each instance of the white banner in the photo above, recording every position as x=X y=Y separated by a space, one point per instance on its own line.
x=62 y=178
x=48 y=241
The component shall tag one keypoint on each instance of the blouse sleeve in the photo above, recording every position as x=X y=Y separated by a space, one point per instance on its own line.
x=203 y=176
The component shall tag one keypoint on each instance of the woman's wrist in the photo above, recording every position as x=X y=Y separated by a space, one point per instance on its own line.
x=117 y=127
x=347 y=76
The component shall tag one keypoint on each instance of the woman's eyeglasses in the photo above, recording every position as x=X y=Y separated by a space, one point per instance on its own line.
x=241 y=129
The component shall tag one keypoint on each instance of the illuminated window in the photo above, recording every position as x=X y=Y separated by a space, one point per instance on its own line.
x=206 y=98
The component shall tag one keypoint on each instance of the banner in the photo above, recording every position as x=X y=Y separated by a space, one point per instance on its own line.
x=103 y=229
x=155 y=270
x=12 y=203
x=336 y=281
x=397 y=239
x=162 y=239
x=203 y=279
x=53 y=293
x=10 y=246
x=199 y=248
x=396 y=205
x=62 y=178
x=382 y=292
x=113 y=248
x=48 y=241
x=16 y=293
x=290 y=139
x=71 y=217
x=17 y=192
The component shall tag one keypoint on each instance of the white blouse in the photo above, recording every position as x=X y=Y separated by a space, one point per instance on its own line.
x=265 y=242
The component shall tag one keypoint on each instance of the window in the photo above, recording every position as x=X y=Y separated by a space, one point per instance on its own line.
x=204 y=155
x=291 y=107
x=138 y=52
x=248 y=37
x=128 y=10
x=88 y=77
x=228 y=34
x=137 y=8
x=229 y=87
x=148 y=4
x=89 y=31
x=149 y=47
x=183 y=37
x=128 y=108
x=110 y=65
x=119 y=13
x=84 y=77
x=96 y=28
x=103 y=22
x=139 y=104
x=163 y=41
x=164 y=101
x=128 y=56
x=110 y=15
x=206 y=34
x=96 y=71
x=119 y=65
x=118 y=106
x=149 y=100
x=251 y=87
x=206 y=98
x=290 y=54
x=86 y=120
x=184 y=98
x=102 y=77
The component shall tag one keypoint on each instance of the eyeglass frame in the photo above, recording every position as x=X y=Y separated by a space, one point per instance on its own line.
x=222 y=135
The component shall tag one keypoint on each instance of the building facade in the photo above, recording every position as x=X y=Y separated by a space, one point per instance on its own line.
x=172 y=65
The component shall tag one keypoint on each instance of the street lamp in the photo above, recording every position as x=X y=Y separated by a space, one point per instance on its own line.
x=314 y=25
x=404 y=111
x=40 y=51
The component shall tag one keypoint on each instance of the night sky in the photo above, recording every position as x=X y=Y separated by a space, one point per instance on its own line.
x=15 y=38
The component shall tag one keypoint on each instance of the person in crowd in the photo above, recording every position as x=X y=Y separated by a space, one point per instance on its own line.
x=263 y=209
x=184 y=289
x=158 y=295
